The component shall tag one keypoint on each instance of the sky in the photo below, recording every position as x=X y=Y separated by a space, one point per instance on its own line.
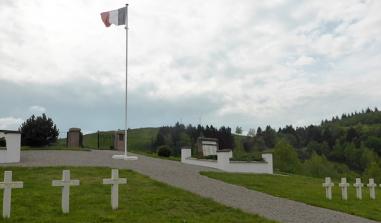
x=241 y=63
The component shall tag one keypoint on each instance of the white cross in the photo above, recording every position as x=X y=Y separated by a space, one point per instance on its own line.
x=344 y=188
x=328 y=188
x=372 y=192
x=65 y=183
x=358 y=185
x=8 y=185
x=115 y=181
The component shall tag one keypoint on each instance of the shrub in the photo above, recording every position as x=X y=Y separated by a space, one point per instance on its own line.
x=38 y=131
x=373 y=171
x=285 y=158
x=164 y=151
x=319 y=166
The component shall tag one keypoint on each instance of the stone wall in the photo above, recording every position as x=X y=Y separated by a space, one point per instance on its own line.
x=223 y=162
x=12 y=152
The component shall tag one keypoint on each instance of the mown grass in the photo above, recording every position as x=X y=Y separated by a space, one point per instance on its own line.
x=141 y=200
x=306 y=189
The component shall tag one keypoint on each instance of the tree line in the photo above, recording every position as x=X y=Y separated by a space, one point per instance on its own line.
x=173 y=138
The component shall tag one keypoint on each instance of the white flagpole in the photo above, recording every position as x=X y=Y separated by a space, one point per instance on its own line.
x=125 y=114
x=125 y=156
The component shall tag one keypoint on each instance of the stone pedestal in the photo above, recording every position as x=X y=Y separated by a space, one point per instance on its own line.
x=119 y=140
x=74 y=137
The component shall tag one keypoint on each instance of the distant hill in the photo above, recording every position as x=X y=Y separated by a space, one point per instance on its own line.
x=138 y=139
x=365 y=117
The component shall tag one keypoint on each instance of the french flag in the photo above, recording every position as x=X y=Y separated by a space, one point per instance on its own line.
x=116 y=17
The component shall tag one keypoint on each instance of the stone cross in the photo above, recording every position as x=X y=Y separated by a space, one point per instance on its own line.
x=65 y=183
x=372 y=192
x=115 y=181
x=358 y=185
x=8 y=185
x=328 y=188
x=344 y=188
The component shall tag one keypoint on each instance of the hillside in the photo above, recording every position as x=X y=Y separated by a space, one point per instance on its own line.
x=138 y=139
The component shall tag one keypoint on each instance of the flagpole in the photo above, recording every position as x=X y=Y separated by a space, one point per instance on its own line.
x=125 y=156
x=125 y=107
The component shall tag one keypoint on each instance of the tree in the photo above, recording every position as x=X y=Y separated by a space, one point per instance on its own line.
x=38 y=131
x=286 y=158
x=251 y=133
x=373 y=171
x=319 y=166
x=238 y=130
x=269 y=135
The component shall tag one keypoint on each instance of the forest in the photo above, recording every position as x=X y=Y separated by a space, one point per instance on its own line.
x=349 y=145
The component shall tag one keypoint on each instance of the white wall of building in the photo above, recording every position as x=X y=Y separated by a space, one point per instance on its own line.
x=12 y=153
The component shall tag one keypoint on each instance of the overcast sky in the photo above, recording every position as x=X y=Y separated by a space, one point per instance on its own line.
x=223 y=62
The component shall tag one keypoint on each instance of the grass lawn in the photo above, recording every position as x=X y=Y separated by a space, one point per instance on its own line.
x=306 y=189
x=141 y=200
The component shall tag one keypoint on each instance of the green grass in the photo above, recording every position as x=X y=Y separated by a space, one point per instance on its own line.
x=306 y=189
x=141 y=200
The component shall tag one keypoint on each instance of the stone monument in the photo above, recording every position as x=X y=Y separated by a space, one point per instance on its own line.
x=207 y=146
x=119 y=140
x=74 y=137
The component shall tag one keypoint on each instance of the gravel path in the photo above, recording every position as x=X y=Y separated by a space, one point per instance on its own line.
x=187 y=177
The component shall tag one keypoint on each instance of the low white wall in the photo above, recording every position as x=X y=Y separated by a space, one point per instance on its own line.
x=223 y=163
x=12 y=153
x=186 y=157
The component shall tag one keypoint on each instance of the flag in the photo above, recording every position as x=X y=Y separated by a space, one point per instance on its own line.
x=116 y=17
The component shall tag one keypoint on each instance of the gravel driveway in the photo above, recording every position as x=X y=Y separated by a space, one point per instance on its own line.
x=187 y=177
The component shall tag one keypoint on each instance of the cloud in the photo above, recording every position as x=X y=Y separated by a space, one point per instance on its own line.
x=37 y=109
x=304 y=60
x=10 y=123
x=248 y=62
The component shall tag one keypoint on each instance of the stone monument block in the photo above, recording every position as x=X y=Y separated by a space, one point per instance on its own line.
x=74 y=137
x=119 y=140
x=207 y=146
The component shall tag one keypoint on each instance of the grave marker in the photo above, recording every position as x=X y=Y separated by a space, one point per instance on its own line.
x=65 y=183
x=328 y=188
x=344 y=188
x=115 y=181
x=372 y=192
x=358 y=185
x=8 y=185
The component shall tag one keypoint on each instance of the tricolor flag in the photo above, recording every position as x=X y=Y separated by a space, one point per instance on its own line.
x=116 y=17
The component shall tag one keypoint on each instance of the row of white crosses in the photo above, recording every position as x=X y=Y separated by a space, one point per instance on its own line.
x=344 y=188
x=65 y=183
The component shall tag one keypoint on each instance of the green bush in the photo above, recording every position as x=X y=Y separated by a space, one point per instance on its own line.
x=285 y=158
x=164 y=151
x=38 y=131
x=373 y=171
x=319 y=166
